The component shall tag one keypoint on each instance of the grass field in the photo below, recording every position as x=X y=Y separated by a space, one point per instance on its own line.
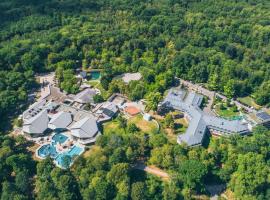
x=250 y=102
x=227 y=112
x=138 y=120
x=145 y=126
x=111 y=126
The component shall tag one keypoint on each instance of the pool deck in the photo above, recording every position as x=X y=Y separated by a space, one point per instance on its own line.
x=50 y=141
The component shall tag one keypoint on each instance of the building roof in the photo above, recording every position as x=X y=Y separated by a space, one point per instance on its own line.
x=109 y=109
x=34 y=109
x=37 y=123
x=60 y=120
x=84 y=128
x=85 y=96
x=132 y=110
x=263 y=116
x=194 y=99
x=227 y=126
x=147 y=117
x=127 y=77
x=51 y=105
x=199 y=121
x=108 y=112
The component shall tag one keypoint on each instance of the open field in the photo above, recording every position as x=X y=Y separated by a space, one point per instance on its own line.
x=227 y=112
x=145 y=126
x=249 y=101
x=110 y=126
x=138 y=120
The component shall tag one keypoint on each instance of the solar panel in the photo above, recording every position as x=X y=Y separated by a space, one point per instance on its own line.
x=263 y=115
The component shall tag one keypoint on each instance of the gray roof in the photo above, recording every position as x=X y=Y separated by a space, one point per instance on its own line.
x=85 y=96
x=263 y=116
x=224 y=125
x=199 y=121
x=37 y=123
x=127 y=77
x=34 y=109
x=60 y=120
x=109 y=109
x=84 y=128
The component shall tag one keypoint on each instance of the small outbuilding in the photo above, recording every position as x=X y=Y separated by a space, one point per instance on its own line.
x=147 y=117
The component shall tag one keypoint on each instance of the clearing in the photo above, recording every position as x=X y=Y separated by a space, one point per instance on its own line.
x=145 y=126
x=249 y=101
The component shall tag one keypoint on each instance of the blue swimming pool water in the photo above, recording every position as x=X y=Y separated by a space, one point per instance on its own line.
x=47 y=150
x=95 y=75
x=74 y=151
x=59 y=138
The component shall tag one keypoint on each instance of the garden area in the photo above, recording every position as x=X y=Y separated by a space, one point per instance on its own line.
x=226 y=109
x=143 y=125
x=138 y=121
x=174 y=124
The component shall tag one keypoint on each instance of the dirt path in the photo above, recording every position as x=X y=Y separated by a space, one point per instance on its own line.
x=153 y=170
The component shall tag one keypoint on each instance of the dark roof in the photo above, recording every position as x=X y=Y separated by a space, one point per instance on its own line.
x=264 y=116
x=108 y=112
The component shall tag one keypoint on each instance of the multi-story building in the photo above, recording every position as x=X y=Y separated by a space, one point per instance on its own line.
x=199 y=122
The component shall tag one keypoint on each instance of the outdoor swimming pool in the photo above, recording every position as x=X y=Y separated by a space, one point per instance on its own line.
x=47 y=150
x=74 y=151
x=59 y=138
x=62 y=159
x=95 y=75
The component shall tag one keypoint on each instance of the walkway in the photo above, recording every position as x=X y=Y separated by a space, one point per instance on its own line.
x=153 y=170
x=211 y=94
x=199 y=89
x=237 y=103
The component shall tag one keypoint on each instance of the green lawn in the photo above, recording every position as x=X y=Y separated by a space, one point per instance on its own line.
x=93 y=83
x=96 y=84
x=145 y=126
x=111 y=126
x=226 y=112
x=249 y=101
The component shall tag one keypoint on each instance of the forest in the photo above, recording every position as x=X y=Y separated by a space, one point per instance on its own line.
x=224 y=44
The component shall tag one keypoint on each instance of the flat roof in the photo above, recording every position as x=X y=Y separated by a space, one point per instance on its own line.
x=127 y=77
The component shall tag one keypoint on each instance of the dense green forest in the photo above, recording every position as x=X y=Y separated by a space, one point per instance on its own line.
x=108 y=172
x=223 y=43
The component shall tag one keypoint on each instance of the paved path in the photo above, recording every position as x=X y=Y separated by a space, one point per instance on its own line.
x=46 y=81
x=237 y=103
x=199 y=89
x=153 y=170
